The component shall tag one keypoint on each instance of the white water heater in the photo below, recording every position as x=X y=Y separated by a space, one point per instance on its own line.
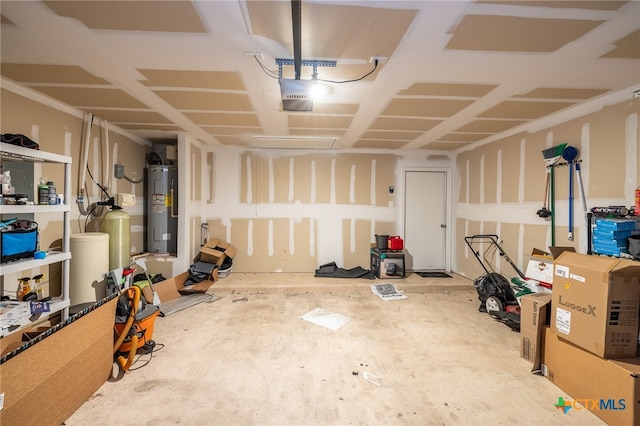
x=162 y=209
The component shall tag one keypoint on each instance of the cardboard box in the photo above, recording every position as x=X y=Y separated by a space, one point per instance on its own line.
x=540 y=265
x=159 y=264
x=215 y=251
x=540 y=268
x=47 y=382
x=387 y=264
x=596 y=303
x=610 y=389
x=535 y=311
x=174 y=287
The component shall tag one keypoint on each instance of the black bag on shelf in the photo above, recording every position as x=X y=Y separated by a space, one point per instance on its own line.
x=20 y=140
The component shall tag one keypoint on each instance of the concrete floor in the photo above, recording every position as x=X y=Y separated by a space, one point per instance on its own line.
x=247 y=358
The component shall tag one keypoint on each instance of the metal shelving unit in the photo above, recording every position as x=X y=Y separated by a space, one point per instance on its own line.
x=9 y=152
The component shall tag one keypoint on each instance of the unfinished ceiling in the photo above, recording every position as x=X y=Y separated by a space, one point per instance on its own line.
x=457 y=71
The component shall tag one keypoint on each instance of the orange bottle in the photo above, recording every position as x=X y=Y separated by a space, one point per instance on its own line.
x=23 y=288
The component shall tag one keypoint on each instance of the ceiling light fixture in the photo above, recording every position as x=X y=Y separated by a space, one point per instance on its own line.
x=318 y=90
x=296 y=94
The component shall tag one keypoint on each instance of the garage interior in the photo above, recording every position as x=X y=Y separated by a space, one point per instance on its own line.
x=436 y=124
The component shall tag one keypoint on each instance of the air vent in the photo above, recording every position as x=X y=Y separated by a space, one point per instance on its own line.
x=294 y=142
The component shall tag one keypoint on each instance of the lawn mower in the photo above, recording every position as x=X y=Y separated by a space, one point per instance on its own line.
x=496 y=294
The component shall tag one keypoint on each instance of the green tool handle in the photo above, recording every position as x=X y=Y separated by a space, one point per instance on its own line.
x=552 y=205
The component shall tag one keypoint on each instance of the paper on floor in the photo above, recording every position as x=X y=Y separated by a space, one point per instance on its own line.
x=387 y=291
x=325 y=318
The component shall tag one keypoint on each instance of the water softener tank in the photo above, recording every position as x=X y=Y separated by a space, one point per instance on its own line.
x=162 y=209
x=117 y=224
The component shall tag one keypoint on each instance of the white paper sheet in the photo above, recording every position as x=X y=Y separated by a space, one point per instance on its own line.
x=325 y=318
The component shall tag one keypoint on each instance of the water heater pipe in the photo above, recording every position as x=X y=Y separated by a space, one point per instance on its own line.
x=105 y=154
x=86 y=136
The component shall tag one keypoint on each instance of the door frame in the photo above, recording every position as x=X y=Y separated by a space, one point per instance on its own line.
x=448 y=202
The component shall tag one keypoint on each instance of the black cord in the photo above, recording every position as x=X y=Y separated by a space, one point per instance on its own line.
x=273 y=74
x=99 y=186
x=375 y=66
x=156 y=348
x=86 y=221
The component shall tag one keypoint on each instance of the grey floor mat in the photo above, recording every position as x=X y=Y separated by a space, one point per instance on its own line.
x=433 y=274
x=331 y=270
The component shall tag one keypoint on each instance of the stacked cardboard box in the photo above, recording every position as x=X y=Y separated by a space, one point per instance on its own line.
x=608 y=388
x=540 y=269
x=534 y=318
x=539 y=272
x=591 y=347
x=596 y=303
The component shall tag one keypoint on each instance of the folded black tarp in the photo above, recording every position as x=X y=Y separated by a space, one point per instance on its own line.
x=331 y=270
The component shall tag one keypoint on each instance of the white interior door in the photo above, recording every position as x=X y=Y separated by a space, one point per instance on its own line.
x=425 y=233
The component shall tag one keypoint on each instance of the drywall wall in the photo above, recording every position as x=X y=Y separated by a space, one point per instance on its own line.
x=59 y=130
x=501 y=184
x=294 y=210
